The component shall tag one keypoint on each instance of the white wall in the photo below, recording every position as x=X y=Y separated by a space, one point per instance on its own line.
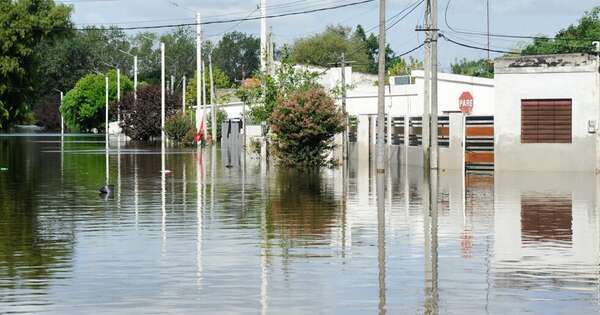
x=404 y=100
x=513 y=84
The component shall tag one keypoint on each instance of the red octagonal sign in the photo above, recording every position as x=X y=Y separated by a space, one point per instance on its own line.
x=465 y=102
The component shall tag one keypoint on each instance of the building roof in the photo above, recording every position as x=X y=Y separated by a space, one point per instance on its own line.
x=577 y=62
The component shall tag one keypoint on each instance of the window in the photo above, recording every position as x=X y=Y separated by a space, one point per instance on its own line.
x=546 y=121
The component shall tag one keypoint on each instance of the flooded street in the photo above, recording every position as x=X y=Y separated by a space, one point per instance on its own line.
x=223 y=234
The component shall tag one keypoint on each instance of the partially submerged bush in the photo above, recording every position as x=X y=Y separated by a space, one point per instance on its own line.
x=177 y=127
x=141 y=120
x=47 y=113
x=304 y=126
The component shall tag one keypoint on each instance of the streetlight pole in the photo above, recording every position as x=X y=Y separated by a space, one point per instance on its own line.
x=62 y=120
x=213 y=106
x=162 y=92
x=198 y=67
x=135 y=73
x=184 y=84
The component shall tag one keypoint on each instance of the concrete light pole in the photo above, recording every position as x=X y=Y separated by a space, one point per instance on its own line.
x=184 y=85
x=162 y=91
x=263 y=35
x=198 y=67
x=62 y=120
x=434 y=85
x=135 y=73
x=381 y=92
x=212 y=100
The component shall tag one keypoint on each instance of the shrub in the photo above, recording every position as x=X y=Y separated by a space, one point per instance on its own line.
x=47 y=112
x=83 y=107
x=221 y=117
x=304 y=126
x=177 y=127
x=141 y=121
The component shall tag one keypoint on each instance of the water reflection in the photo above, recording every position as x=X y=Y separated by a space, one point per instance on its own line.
x=254 y=238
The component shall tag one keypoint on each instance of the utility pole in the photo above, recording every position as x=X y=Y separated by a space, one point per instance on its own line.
x=198 y=67
x=62 y=119
x=118 y=95
x=381 y=92
x=597 y=50
x=184 y=85
x=172 y=84
x=213 y=97
x=135 y=79
x=263 y=35
x=162 y=92
x=434 y=85
x=106 y=110
x=345 y=136
x=488 y=28
x=425 y=121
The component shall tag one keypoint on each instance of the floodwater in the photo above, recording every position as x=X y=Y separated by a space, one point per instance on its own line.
x=214 y=236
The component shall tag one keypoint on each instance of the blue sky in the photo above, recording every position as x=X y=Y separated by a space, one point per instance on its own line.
x=523 y=17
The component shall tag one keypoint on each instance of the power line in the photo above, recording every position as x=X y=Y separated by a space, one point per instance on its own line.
x=230 y=20
x=452 y=29
x=405 y=15
x=476 y=47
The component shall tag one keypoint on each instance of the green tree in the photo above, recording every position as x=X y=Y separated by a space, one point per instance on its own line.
x=475 y=68
x=574 y=39
x=263 y=93
x=220 y=79
x=238 y=55
x=372 y=45
x=325 y=48
x=83 y=106
x=24 y=24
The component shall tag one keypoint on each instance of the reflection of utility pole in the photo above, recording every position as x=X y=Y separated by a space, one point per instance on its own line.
x=381 y=241
x=430 y=222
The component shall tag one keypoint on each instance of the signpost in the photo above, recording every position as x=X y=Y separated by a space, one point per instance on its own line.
x=465 y=102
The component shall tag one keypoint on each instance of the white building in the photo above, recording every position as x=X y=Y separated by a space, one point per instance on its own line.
x=547 y=112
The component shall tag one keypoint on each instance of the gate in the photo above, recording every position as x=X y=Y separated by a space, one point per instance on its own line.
x=479 y=143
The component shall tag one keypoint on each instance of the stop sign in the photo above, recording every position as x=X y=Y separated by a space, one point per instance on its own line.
x=465 y=102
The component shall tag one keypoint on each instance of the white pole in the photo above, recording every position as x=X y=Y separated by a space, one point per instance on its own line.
x=62 y=119
x=162 y=91
x=172 y=84
x=425 y=131
x=204 y=98
x=263 y=35
x=118 y=95
x=198 y=67
x=434 y=86
x=106 y=111
x=381 y=92
x=135 y=78
x=213 y=104
x=184 y=84
x=597 y=50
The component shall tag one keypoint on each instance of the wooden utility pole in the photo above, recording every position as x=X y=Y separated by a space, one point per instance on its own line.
x=381 y=92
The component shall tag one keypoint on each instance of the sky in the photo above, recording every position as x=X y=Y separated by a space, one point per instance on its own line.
x=515 y=17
